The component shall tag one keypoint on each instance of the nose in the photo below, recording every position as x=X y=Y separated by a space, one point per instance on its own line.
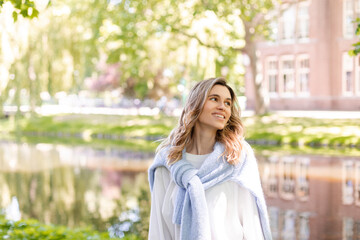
x=221 y=106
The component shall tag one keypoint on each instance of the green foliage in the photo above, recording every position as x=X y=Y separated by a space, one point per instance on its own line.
x=135 y=130
x=356 y=45
x=70 y=41
x=26 y=8
x=100 y=124
x=303 y=131
x=33 y=230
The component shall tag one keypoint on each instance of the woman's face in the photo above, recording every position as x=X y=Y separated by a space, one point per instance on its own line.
x=217 y=108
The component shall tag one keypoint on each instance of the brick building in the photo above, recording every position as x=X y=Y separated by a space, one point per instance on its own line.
x=308 y=67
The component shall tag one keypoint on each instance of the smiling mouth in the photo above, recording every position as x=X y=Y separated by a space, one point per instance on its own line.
x=219 y=116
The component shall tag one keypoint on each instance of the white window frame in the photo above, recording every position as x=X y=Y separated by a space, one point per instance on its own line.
x=303 y=21
x=302 y=70
x=348 y=15
x=351 y=11
x=347 y=66
x=283 y=72
x=287 y=27
x=272 y=72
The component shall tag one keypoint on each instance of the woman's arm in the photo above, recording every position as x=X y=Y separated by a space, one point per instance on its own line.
x=158 y=229
x=248 y=214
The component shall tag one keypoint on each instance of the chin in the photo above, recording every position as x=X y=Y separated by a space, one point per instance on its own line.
x=220 y=128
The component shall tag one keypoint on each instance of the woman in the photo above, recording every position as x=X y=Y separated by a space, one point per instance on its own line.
x=204 y=180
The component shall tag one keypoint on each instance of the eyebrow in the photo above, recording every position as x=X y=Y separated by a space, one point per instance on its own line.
x=216 y=95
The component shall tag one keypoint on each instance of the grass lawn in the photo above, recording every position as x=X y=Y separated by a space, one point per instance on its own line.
x=140 y=131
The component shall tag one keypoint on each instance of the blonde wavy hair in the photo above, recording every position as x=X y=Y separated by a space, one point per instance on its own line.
x=181 y=136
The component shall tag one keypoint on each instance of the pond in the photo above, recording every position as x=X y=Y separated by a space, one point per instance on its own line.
x=308 y=196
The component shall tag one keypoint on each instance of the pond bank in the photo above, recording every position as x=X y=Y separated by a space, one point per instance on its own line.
x=269 y=130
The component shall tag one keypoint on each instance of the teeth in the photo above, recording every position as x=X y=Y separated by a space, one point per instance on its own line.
x=219 y=115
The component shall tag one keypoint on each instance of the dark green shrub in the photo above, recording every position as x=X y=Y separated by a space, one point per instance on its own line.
x=33 y=230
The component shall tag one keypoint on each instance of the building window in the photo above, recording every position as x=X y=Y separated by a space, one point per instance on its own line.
x=347 y=74
x=303 y=20
x=272 y=75
x=351 y=12
x=287 y=76
x=347 y=183
x=303 y=75
x=348 y=19
x=287 y=23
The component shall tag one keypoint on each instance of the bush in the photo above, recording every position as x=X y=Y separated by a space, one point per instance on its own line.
x=33 y=230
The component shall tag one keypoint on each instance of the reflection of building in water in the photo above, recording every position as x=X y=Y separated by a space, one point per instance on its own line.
x=302 y=180
x=289 y=224
x=288 y=177
x=351 y=229
x=357 y=183
x=348 y=183
x=351 y=182
x=309 y=196
x=35 y=157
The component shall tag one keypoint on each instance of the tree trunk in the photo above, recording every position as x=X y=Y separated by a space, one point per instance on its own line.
x=261 y=106
x=3 y=97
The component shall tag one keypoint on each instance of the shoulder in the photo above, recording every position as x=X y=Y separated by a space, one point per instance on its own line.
x=246 y=148
x=158 y=163
x=247 y=155
x=163 y=152
x=161 y=155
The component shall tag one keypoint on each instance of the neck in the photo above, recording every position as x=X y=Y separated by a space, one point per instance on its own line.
x=203 y=141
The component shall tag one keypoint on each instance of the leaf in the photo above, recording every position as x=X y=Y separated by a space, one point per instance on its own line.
x=15 y=16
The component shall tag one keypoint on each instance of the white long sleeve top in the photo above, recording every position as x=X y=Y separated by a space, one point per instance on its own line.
x=232 y=209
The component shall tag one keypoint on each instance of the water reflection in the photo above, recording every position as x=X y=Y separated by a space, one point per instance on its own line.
x=309 y=197
x=312 y=197
x=73 y=186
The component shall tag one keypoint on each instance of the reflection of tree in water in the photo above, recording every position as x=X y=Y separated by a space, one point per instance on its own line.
x=75 y=186
x=79 y=197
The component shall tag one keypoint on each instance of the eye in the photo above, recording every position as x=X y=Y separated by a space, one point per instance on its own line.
x=213 y=98
x=228 y=103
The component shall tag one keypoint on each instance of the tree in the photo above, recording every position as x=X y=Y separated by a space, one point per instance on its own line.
x=26 y=8
x=153 y=56
x=242 y=24
x=56 y=53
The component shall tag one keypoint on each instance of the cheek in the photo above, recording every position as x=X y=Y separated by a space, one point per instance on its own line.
x=206 y=108
x=229 y=113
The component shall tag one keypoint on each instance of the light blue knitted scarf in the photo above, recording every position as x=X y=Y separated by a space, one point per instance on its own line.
x=191 y=211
